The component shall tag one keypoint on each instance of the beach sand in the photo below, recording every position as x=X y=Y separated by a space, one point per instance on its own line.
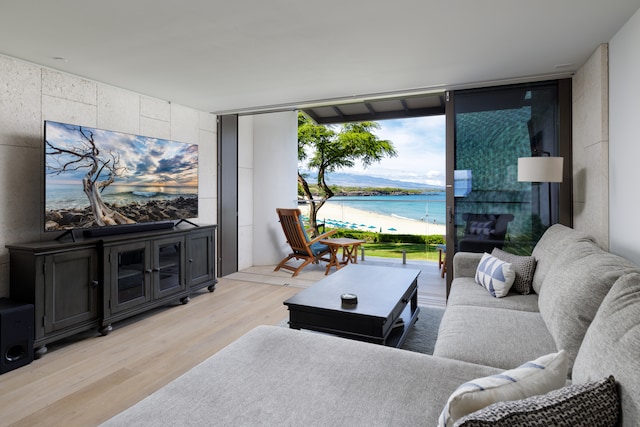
x=380 y=223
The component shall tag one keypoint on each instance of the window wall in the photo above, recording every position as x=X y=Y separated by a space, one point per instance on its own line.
x=492 y=128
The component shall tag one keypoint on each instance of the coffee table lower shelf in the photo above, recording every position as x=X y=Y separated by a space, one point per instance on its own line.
x=337 y=325
x=398 y=335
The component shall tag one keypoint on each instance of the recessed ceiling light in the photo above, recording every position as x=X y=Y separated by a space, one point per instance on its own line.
x=559 y=66
x=60 y=58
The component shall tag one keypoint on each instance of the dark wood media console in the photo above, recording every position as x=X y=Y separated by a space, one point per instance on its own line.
x=91 y=283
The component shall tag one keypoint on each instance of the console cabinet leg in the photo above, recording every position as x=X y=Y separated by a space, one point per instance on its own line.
x=39 y=352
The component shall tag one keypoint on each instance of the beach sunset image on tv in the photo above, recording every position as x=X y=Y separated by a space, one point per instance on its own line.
x=97 y=178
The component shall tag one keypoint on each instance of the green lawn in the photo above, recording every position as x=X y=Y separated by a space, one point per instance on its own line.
x=415 y=251
x=417 y=247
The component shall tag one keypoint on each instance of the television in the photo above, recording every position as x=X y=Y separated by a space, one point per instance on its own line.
x=97 y=179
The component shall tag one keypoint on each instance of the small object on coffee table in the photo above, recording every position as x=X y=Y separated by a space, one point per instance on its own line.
x=349 y=299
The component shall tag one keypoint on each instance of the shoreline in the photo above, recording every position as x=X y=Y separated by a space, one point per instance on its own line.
x=338 y=212
x=150 y=211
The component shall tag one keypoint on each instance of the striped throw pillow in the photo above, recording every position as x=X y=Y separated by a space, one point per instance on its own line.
x=540 y=376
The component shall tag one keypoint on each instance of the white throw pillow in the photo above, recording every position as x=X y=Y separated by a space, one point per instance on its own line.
x=495 y=275
x=533 y=378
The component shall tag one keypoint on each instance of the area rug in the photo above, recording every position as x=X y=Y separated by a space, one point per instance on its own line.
x=423 y=334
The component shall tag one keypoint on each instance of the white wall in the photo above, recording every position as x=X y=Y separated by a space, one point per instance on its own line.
x=275 y=182
x=624 y=137
x=267 y=179
x=590 y=127
x=30 y=94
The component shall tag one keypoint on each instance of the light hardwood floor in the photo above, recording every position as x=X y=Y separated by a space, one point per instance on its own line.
x=86 y=380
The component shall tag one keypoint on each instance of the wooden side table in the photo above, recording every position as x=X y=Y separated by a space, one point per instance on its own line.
x=349 y=251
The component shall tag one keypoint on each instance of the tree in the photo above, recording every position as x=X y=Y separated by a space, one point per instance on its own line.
x=323 y=149
x=85 y=155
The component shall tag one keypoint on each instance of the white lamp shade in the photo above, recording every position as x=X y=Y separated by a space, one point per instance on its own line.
x=540 y=169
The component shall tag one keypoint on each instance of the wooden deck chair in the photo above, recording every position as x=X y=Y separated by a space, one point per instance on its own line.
x=309 y=250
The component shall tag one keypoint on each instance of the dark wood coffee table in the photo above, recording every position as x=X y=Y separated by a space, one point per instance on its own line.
x=385 y=295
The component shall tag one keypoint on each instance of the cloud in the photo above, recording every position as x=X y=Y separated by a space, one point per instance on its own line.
x=420 y=143
x=142 y=160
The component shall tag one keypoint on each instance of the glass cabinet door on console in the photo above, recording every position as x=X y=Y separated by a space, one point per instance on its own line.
x=168 y=271
x=143 y=273
x=128 y=270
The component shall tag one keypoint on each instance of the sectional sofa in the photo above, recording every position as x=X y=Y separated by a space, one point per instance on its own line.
x=561 y=346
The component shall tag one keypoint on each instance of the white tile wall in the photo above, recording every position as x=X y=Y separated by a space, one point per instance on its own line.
x=20 y=110
x=118 y=110
x=30 y=94
x=155 y=109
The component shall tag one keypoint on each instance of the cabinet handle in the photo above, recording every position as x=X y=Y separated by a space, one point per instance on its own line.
x=156 y=269
x=190 y=260
x=94 y=283
x=148 y=270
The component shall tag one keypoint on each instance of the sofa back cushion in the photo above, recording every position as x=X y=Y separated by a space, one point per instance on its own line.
x=574 y=289
x=611 y=346
x=556 y=241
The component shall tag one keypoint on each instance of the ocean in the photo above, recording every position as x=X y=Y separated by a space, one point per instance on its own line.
x=63 y=196
x=429 y=206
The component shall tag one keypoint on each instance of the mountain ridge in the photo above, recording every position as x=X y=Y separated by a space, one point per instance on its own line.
x=356 y=180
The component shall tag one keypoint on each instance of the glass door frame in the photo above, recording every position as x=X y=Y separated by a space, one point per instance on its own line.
x=565 y=197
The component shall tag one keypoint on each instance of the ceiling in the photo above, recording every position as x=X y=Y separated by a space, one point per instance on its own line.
x=245 y=56
x=378 y=109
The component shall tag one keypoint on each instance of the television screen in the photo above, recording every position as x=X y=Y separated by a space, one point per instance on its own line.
x=100 y=178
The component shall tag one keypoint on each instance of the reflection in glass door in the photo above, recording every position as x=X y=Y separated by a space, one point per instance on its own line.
x=493 y=128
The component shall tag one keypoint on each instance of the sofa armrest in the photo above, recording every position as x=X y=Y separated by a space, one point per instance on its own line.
x=465 y=264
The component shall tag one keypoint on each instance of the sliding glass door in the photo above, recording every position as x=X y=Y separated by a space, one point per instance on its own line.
x=488 y=131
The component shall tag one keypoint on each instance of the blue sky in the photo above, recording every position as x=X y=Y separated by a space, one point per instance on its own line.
x=420 y=144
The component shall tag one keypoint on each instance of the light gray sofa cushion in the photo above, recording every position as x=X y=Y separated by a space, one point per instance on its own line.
x=574 y=289
x=278 y=376
x=465 y=264
x=465 y=291
x=494 y=337
x=611 y=346
x=553 y=243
